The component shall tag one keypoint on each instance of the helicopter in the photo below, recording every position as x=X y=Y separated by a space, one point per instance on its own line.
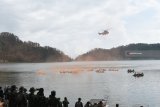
x=105 y=32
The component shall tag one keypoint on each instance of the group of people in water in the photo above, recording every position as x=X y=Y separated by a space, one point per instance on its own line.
x=12 y=96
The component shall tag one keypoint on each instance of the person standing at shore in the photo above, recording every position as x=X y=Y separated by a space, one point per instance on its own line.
x=65 y=102
x=31 y=98
x=53 y=101
x=79 y=103
x=12 y=96
x=88 y=104
x=21 y=98
x=59 y=102
x=40 y=98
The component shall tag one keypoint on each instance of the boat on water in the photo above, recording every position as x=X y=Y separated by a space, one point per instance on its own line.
x=100 y=70
x=137 y=74
x=130 y=71
x=97 y=101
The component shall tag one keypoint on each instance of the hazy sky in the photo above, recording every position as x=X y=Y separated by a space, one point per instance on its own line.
x=73 y=25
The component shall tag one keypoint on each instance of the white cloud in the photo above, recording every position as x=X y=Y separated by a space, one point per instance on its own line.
x=72 y=26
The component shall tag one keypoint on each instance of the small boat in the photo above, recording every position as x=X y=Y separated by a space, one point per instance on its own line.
x=138 y=74
x=100 y=70
x=96 y=101
x=130 y=71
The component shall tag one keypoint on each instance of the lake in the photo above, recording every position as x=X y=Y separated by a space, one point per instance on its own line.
x=79 y=79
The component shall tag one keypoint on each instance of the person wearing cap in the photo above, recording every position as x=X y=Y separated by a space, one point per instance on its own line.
x=31 y=97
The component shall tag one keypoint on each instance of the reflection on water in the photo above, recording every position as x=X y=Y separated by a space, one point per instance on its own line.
x=79 y=79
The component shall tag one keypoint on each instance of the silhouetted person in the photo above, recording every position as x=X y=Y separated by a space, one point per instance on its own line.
x=117 y=105
x=40 y=92
x=88 y=104
x=59 y=102
x=31 y=98
x=65 y=102
x=12 y=96
x=25 y=92
x=1 y=93
x=79 y=103
x=100 y=104
x=53 y=101
x=40 y=98
x=21 y=98
x=6 y=92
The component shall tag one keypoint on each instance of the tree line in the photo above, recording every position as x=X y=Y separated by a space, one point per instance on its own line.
x=118 y=53
x=12 y=49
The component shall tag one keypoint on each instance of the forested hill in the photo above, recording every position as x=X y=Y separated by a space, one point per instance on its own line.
x=12 y=49
x=128 y=52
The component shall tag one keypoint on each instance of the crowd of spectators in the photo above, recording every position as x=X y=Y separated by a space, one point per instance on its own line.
x=12 y=96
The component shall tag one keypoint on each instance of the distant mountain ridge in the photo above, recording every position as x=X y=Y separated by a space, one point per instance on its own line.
x=12 y=49
x=129 y=52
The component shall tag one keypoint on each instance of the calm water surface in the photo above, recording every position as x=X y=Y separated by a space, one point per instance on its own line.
x=119 y=86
